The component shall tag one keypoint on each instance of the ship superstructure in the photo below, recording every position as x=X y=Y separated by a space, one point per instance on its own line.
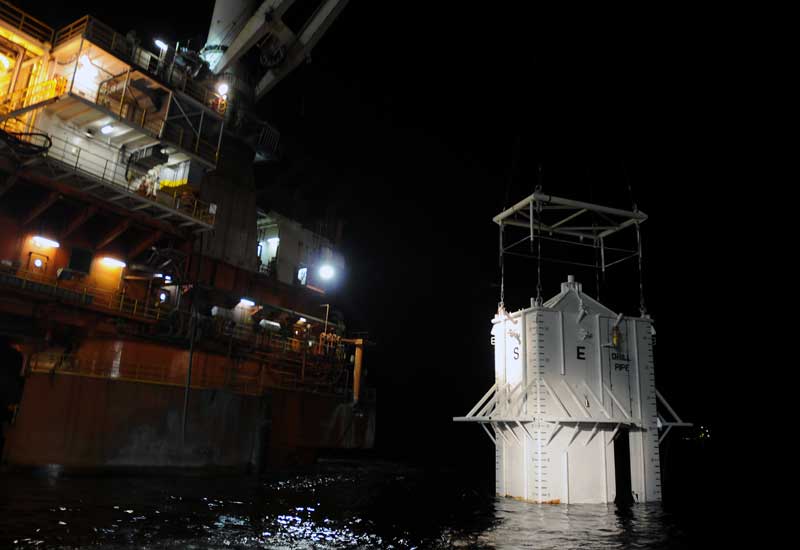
x=156 y=315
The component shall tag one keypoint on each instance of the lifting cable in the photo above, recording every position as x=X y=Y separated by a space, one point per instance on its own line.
x=501 y=305
x=509 y=185
x=642 y=308
x=539 y=300
x=635 y=208
x=594 y=240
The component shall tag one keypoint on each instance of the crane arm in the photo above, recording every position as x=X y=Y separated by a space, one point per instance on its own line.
x=300 y=48
x=267 y=20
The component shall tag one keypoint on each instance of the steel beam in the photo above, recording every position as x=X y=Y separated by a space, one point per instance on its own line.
x=301 y=48
x=550 y=200
x=266 y=19
x=145 y=244
x=8 y=184
x=115 y=232
x=48 y=201
x=78 y=221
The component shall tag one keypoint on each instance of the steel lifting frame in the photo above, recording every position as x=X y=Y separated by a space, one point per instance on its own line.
x=541 y=213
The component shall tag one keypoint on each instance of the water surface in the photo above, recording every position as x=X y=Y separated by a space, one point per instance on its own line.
x=333 y=505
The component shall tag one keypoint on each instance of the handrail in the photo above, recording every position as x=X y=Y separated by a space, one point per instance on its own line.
x=107 y=170
x=204 y=375
x=118 y=302
x=37 y=93
x=90 y=296
x=65 y=34
x=176 y=134
x=110 y=40
x=134 y=371
x=24 y=22
x=138 y=115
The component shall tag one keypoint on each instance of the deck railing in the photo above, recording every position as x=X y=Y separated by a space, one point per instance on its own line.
x=24 y=22
x=107 y=38
x=135 y=371
x=290 y=363
x=85 y=294
x=110 y=95
x=107 y=169
x=37 y=93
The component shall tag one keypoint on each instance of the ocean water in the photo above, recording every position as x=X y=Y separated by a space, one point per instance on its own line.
x=333 y=505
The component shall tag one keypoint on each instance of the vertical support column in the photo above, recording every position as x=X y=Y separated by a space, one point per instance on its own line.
x=166 y=115
x=199 y=130
x=645 y=439
x=562 y=339
x=14 y=77
x=357 y=370
x=75 y=70
x=523 y=366
x=608 y=463
x=124 y=91
x=539 y=457
x=500 y=396
x=219 y=139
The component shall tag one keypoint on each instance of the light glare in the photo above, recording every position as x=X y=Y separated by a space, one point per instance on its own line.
x=327 y=272
x=112 y=262
x=43 y=242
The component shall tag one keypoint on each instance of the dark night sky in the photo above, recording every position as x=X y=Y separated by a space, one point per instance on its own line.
x=408 y=121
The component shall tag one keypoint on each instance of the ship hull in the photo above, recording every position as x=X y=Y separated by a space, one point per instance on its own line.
x=81 y=423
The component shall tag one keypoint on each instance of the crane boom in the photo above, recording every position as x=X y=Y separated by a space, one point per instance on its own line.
x=233 y=34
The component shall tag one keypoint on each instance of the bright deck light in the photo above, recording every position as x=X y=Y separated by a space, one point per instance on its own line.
x=158 y=276
x=327 y=272
x=112 y=262
x=223 y=88
x=43 y=242
x=161 y=44
x=107 y=129
x=247 y=303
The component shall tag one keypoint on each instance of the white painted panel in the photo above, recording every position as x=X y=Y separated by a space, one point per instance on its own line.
x=567 y=363
x=647 y=390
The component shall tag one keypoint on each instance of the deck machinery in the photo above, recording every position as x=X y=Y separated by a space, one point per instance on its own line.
x=573 y=379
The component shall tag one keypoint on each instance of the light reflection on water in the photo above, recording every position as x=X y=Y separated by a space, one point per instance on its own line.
x=336 y=506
